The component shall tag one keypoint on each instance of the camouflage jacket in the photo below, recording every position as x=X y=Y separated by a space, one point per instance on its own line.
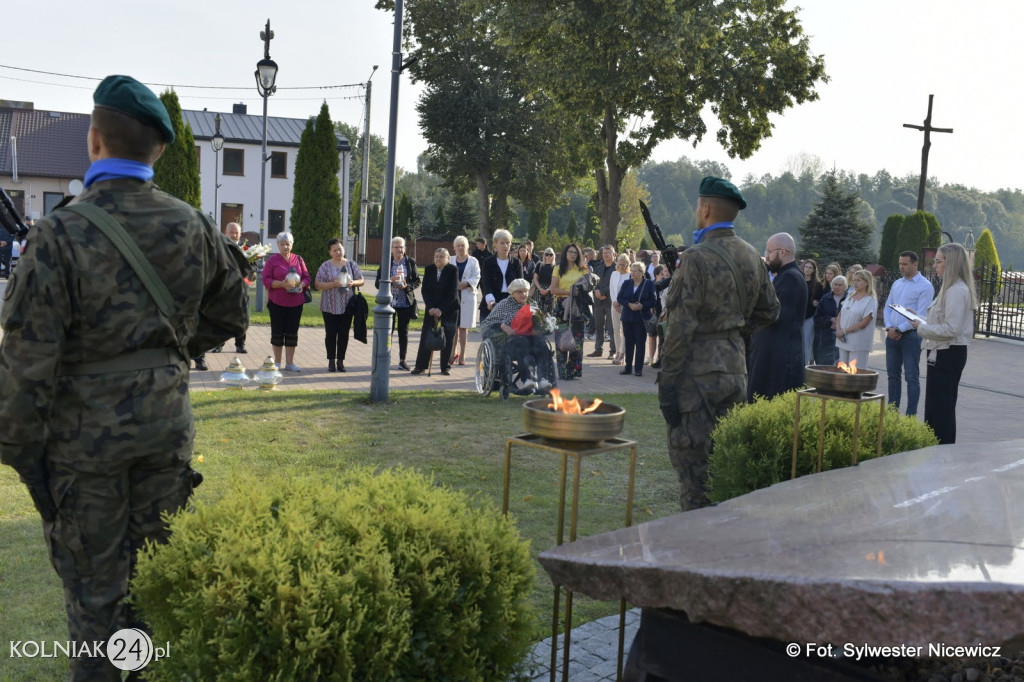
x=74 y=299
x=705 y=322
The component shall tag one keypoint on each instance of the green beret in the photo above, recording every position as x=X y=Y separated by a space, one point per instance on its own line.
x=129 y=96
x=717 y=187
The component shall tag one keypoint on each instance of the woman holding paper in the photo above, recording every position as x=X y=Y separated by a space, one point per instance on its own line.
x=946 y=334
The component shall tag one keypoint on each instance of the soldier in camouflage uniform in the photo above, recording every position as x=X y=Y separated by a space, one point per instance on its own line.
x=95 y=377
x=704 y=371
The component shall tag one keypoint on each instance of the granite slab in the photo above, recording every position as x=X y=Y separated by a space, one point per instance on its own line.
x=914 y=549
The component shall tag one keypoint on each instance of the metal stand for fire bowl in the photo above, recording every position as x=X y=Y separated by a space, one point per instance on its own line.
x=578 y=450
x=824 y=397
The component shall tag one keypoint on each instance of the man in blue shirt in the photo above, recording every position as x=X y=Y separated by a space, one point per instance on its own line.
x=902 y=344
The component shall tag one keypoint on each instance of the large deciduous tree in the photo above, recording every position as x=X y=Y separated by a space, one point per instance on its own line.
x=635 y=74
x=316 y=202
x=177 y=170
x=487 y=132
x=835 y=230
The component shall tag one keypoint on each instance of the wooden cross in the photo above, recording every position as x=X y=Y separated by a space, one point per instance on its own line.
x=928 y=129
x=268 y=35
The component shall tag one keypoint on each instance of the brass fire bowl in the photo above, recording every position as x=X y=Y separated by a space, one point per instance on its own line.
x=603 y=423
x=834 y=381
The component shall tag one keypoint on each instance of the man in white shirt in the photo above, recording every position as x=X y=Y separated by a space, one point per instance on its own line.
x=902 y=344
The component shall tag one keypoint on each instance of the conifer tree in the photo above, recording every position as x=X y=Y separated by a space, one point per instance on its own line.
x=592 y=228
x=461 y=216
x=986 y=264
x=934 y=230
x=442 y=226
x=537 y=224
x=834 y=230
x=316 y=202
x=355 y=208
x=572 y=230
x=177 y=170
x=913 y=234
x=888 y=256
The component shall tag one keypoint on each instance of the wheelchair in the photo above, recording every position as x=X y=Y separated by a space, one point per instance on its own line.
x=496 y=370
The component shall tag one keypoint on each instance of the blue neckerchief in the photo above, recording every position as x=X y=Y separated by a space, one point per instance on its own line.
x=698 y=235
x=109 y=169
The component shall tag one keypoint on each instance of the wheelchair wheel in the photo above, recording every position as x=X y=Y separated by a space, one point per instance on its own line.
x=486 y=370
x=507 y=378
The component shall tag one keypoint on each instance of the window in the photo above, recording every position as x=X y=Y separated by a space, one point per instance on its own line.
x=234 y=161
x=275 y=220
x=50 y=200
x=18 y=199
x=279 y=164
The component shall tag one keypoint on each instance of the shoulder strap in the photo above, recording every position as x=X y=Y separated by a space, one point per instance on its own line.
x=722 y=253
x=116 y=233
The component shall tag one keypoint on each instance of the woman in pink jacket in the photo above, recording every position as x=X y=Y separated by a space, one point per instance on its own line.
x=285 y=277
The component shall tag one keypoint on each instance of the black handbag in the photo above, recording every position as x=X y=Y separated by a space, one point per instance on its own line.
x=307 y=295
x=433 y=336
x=651 y=325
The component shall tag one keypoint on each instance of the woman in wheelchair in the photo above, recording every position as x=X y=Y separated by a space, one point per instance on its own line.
x=525 y=349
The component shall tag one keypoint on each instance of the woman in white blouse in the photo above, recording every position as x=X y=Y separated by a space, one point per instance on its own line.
x=946 y=334
x=855 y=329
x=620 y=275
x=469 y=296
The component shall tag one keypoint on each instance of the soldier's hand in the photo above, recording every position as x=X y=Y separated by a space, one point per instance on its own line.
x=668 y=401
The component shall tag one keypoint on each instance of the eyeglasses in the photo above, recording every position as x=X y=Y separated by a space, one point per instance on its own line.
x=549 y=255
x=939 y=260
x=768 y=252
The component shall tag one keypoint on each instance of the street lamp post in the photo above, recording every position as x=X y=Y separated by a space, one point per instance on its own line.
x=266 y=74
x=217 y=142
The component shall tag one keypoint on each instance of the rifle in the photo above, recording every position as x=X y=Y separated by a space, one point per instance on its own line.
x=670 y=253
x=10 y=219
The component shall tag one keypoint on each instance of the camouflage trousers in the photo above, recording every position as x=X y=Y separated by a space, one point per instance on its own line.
x=107 y=510
x=703 y=400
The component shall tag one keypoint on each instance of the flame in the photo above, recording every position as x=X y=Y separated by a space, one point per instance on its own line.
x=571 y=406
x=848 y=368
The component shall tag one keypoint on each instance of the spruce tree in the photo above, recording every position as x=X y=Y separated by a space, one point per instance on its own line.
x=888 y=256
x=316 y=203
x=834 y=230
x=177 y=170
x=462 y=216
x=913 y=234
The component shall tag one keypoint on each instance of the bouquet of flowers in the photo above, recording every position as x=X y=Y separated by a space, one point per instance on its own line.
x=255 y=251
x=543 y=323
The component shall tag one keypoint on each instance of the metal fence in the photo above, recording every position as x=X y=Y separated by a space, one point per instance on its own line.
x=1000 y=301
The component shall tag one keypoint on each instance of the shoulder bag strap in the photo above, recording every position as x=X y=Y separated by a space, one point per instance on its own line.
x=116 y=233
x=722 y=253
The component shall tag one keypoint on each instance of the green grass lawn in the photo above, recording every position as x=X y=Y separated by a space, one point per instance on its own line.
x=457 y=437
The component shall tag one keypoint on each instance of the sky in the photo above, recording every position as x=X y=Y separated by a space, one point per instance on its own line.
x=883 y=57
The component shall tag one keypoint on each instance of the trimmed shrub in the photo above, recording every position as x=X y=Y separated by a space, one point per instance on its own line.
x=913 y=235
x=986 y=262
x=753 y=444
x=888 y=257
x=366 y=577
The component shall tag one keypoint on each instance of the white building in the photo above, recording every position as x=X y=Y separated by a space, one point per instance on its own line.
x=43 y=152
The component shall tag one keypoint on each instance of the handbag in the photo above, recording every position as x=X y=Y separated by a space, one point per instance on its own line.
x=651 y=325
x=433 y=336
x=565 y=341
x=307 y=295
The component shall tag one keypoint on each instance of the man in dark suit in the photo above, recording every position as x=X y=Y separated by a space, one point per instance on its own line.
x=497 y=272
x=776 y=360
x=441 y=301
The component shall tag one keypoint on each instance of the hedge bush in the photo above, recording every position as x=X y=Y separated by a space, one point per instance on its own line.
x=367 y=577
x=753 y=444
